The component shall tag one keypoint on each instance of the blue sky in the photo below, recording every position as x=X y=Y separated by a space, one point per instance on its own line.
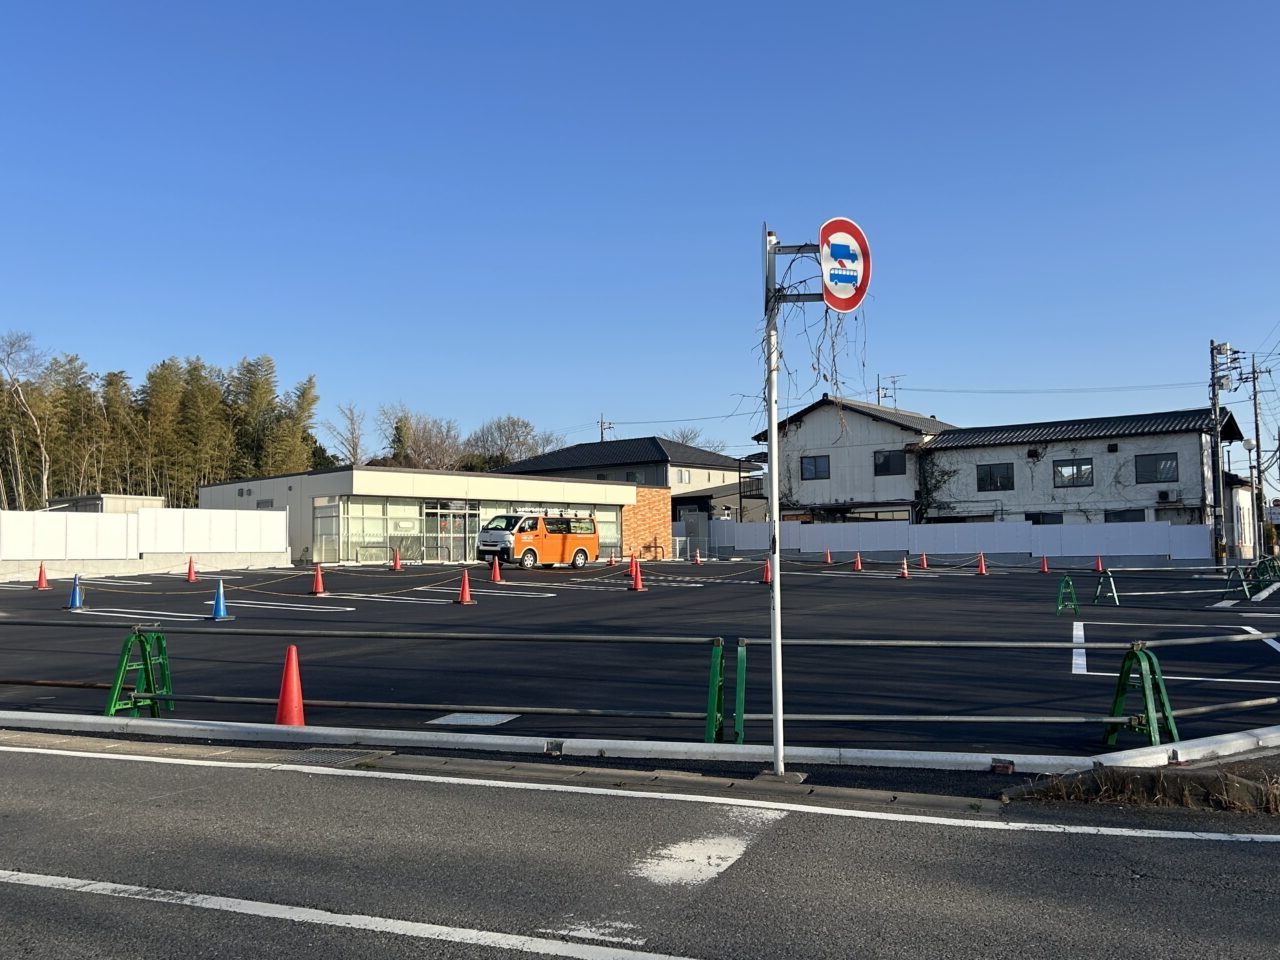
x=411 y=200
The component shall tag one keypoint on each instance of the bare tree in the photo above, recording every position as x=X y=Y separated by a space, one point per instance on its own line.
x=504 y=440
x=21 y=363
x=693 y=437
x=348 y=433
x=417 y=440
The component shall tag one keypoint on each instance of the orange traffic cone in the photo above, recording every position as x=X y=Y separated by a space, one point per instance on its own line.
x=924 y=560
x=464 y=595
x=317 y=586
x=395 y=562
x=1044 y=564
x=42 y=582
x=289 y=708
x=768 y=572
x=613 y=561
x=828 y=556
x=637 y=584
x=191 y=570
x=982 y=565
x=697 y=557
x=495 y=572
x=635 y=564
x=904 y=574
x=1097 y=566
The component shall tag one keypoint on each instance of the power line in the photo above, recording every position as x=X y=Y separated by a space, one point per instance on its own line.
x=1120 y=389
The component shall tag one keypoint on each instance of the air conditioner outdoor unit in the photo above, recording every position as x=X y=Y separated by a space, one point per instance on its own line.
x=1162 y=496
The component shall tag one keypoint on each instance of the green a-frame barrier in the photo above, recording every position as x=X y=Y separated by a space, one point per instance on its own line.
x=1157 y=714
x=144 y=665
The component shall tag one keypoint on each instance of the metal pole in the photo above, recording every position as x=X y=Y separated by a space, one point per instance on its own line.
x=1219 y=534
x=772 y=362
x=1260 y=493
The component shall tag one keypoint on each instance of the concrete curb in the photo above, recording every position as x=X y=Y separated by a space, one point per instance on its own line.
x=1224 y=745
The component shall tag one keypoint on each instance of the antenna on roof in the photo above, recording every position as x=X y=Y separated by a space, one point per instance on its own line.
x=891 y=391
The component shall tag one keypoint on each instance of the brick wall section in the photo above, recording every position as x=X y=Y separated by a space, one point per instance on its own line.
x=646 y=526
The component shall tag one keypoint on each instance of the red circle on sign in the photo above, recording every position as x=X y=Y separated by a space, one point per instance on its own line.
x=846 y=226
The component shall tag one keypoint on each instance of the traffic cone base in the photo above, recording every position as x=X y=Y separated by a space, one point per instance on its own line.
x=220 y=605
x=42 y=582
x=317 y=585
x=289 y=707
x=464 y=595
x=191 y=570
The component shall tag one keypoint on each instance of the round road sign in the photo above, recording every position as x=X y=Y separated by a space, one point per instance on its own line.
x=845 y=259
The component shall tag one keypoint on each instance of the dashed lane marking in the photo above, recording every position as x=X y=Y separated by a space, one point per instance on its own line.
x=278 y=605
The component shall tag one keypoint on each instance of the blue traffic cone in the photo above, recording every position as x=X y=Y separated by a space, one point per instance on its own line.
x=220 y=606
x=76 y=603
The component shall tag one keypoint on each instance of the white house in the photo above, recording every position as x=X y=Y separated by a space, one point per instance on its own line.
x=849 y=460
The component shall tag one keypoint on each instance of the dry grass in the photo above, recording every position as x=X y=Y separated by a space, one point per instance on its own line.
x=1193 y=789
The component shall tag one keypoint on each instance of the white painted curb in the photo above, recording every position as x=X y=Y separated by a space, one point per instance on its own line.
x=1206 y=748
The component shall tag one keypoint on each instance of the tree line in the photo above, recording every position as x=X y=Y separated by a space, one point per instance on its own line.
x=68 y=431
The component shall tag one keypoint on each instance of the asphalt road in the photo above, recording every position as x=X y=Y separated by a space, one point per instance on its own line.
x=110 y=857
x=954 y=607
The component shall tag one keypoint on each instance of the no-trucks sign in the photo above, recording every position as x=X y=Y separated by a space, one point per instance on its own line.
x=845 y=259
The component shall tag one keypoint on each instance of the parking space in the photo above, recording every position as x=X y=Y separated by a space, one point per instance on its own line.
x=523 y=657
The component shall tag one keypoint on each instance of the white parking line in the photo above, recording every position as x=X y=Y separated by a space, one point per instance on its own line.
x=275 y=605
x=377 y=598
x=1079 y=658
x=113 y=582
x=487 y=591
x=134 y=614
x=351 y=921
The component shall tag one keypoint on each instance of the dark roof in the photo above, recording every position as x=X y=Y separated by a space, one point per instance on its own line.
x=1131 y=425
x=612 y=453
x=908 y=420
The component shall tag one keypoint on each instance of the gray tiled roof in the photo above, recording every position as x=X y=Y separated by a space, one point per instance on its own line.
x=609 y=453
x=907 y=419
x=1137 y=424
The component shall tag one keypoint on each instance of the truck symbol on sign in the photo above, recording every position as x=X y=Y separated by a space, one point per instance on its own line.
x=840 y=252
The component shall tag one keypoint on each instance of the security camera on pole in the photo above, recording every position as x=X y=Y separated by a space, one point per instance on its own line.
x=845 y=259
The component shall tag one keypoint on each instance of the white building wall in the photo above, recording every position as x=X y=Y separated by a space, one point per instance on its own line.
x=851 y=441
x=1114 y=481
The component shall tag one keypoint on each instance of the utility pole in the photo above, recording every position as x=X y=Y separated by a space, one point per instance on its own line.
x=604 y=425
x=1260 y=493
x=774 y=297
x=1219 y=531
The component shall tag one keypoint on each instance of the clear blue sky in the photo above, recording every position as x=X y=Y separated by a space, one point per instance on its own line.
x=408 y=199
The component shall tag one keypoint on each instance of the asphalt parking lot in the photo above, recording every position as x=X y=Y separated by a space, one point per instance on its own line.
x=523 y=660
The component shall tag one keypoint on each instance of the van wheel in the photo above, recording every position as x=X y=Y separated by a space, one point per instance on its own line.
x=528 y=560
x=579 y=559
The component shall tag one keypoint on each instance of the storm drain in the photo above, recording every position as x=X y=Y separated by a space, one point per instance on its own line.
x=327 y=757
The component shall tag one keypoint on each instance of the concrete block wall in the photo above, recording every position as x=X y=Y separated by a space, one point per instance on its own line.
x=646 y=524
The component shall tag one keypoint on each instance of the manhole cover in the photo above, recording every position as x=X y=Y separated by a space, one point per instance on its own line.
x=322 y=757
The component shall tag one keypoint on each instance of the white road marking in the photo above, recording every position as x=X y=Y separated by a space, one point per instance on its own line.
x=690 y=862
x=132 y=614
x=375 y=598
x=487 y=591
x=1224 y=603
x=215 y=575
x=1174 y=676
x=351 y=921
x=110 y=582
x=1003 y=826
x=14 y=586
x=608 y=931
x=1079 y=658
x=280 y=605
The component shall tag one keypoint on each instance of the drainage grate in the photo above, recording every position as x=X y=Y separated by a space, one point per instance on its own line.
x=324 y=757
x=473 y=719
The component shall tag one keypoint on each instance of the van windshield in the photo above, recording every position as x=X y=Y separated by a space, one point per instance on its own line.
x=502 y=523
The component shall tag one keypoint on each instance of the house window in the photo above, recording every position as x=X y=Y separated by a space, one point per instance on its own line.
x=815 y=468
x=635 y=476
x=1124 y=516
x=1042 y=519
x=602 y=476
x=265 y=505
x=1073 y=473
x=891 y=463
x=995 y=476
x=1156 y=467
